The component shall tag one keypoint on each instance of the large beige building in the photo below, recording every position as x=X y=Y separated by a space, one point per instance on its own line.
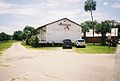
x=59 y=30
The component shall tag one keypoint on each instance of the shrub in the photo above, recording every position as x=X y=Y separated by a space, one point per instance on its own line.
x=33 y=41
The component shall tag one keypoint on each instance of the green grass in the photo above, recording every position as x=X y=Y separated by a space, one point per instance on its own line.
x=5 y=45
x=40 y=48
x=90 y=49
x=96 y=49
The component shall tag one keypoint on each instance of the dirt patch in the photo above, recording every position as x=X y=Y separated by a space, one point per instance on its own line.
x=19 y=79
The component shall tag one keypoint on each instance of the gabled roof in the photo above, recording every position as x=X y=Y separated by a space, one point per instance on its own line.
x=58 y=21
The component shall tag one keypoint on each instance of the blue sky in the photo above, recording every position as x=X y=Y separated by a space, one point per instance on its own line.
x=16 y=14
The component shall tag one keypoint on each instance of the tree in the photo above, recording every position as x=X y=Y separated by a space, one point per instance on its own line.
x=103 y=28
x=28 y=31
x=90 y=5
x=4 y=36
x=18 y=35
x=85 y=28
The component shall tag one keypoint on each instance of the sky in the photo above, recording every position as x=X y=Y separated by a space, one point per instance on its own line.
x=16 y=14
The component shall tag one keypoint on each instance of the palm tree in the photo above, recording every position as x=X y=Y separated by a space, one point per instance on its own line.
x=85 y=28
x=90 y=5
x=103 y=28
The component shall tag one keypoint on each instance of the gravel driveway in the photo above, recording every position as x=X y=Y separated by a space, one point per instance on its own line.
x=21 y=64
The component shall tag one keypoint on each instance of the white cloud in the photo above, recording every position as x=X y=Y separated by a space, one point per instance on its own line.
x=4 y=5
x=105 y=3
x=17 y=9
x=116 y=5
x=26 y=11
x=35 y=9
x=62 y=1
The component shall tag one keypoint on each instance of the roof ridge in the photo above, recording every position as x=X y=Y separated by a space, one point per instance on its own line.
x=58 y=21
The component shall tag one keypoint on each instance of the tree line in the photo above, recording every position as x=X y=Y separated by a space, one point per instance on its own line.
x=28 y=35
x=5 y=37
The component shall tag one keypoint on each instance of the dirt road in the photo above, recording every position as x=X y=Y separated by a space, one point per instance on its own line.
x=21 y=64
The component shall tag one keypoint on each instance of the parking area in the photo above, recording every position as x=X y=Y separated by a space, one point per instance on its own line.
x=21 y=64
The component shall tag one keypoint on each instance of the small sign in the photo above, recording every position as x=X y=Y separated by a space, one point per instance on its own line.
x=66 y=26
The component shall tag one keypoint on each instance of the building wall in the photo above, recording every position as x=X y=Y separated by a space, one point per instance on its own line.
x=42 y=35
x=60 y=30
x=97 y=39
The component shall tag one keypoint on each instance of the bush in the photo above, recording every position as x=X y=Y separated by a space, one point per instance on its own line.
x=33 y=41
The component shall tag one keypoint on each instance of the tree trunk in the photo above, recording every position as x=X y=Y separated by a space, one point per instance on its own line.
x=91 y=15
x=84 y=35
x=103 y=39
x=92 y=24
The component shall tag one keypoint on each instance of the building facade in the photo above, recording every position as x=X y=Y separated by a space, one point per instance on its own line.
x=59 y=30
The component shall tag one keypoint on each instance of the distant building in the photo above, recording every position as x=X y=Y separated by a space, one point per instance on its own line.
x=97 y=37
x=58 y=30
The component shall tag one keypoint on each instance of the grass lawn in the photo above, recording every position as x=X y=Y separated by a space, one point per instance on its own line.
x=96 y=49
x=5 y=45
x=90 y=49
x=40 y=48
